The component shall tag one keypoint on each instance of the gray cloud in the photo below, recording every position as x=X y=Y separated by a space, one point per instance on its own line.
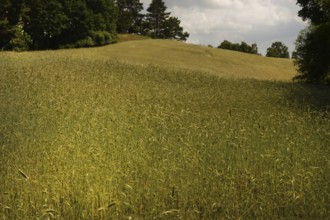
x=259 y=21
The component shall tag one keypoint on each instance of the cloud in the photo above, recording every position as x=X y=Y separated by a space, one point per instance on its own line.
x=260 y=21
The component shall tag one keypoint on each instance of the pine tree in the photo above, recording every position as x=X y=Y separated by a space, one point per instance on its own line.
x=129 y=16
x=159 y=23
x=173 y=30
x=156 y=18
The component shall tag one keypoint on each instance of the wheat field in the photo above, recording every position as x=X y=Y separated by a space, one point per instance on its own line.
x=126 y=132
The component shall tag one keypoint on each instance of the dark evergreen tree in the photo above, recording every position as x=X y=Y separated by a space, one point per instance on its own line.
x=156 y=18
x=173 y=30
x=159 y=24
x=129 y=16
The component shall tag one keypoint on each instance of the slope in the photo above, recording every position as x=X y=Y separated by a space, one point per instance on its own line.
x=85 y=136
x=199 y=58
x=178 y=55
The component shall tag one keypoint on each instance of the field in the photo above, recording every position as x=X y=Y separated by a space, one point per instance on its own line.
x=102 y=133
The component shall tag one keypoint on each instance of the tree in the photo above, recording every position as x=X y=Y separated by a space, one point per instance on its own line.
x=20 y=40
x=159 y=23
x=278 y=50
x=52 y=24
x=226 y=45
x=45 y=21
x=254 y=48
x=312 y=54
x=317 y=11
x=11 y=13
x=243 y=47
x=157 y=17
x=129 y=16
x=313 y=44
x=173 y=30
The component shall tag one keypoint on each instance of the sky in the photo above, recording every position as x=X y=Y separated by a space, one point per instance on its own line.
x=210 y=22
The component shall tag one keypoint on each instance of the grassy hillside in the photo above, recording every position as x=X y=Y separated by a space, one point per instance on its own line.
x=176 y=55
x=210 y=60
x=100 y=134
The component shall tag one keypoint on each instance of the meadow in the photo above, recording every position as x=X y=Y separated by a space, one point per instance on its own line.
x=102 y=134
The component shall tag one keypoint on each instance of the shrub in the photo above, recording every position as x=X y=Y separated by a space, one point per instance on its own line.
x=21 y=40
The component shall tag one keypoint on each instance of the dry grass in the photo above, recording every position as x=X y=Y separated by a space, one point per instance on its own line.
x=86 y=136
x=173 y=54
x=176 y=55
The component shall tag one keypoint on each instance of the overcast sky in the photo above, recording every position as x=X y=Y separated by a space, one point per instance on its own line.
x=252 y=21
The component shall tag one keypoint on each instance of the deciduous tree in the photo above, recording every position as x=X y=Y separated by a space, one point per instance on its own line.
x=243 y=47
x=278 y=50
x=51 y=24
x=313 y=44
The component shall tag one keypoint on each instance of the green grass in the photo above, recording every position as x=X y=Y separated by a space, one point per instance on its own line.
x=84 y=135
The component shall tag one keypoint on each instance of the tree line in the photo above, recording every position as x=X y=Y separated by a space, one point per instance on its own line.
x=53 y=24
x=243 y=47
x=157 y=23
x=277 y=49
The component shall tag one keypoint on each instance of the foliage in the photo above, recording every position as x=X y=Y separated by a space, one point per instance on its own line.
x=20 y=40
x=243 y=47
x=317 y=11
x=45 y=21
x=130 y=17
x=85 y=136
x=157 y=17
x=53 y=24
x=12 y=28
x=278 y=50
x=313 y=44
x=312 y=54
x=159 y=23
x=173 y=30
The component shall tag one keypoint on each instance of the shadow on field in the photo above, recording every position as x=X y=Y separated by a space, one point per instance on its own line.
x=315 y=97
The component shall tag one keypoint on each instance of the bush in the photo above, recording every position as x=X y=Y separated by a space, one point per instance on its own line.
x=21 y=40
x=101 y=37
x=87 y=42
